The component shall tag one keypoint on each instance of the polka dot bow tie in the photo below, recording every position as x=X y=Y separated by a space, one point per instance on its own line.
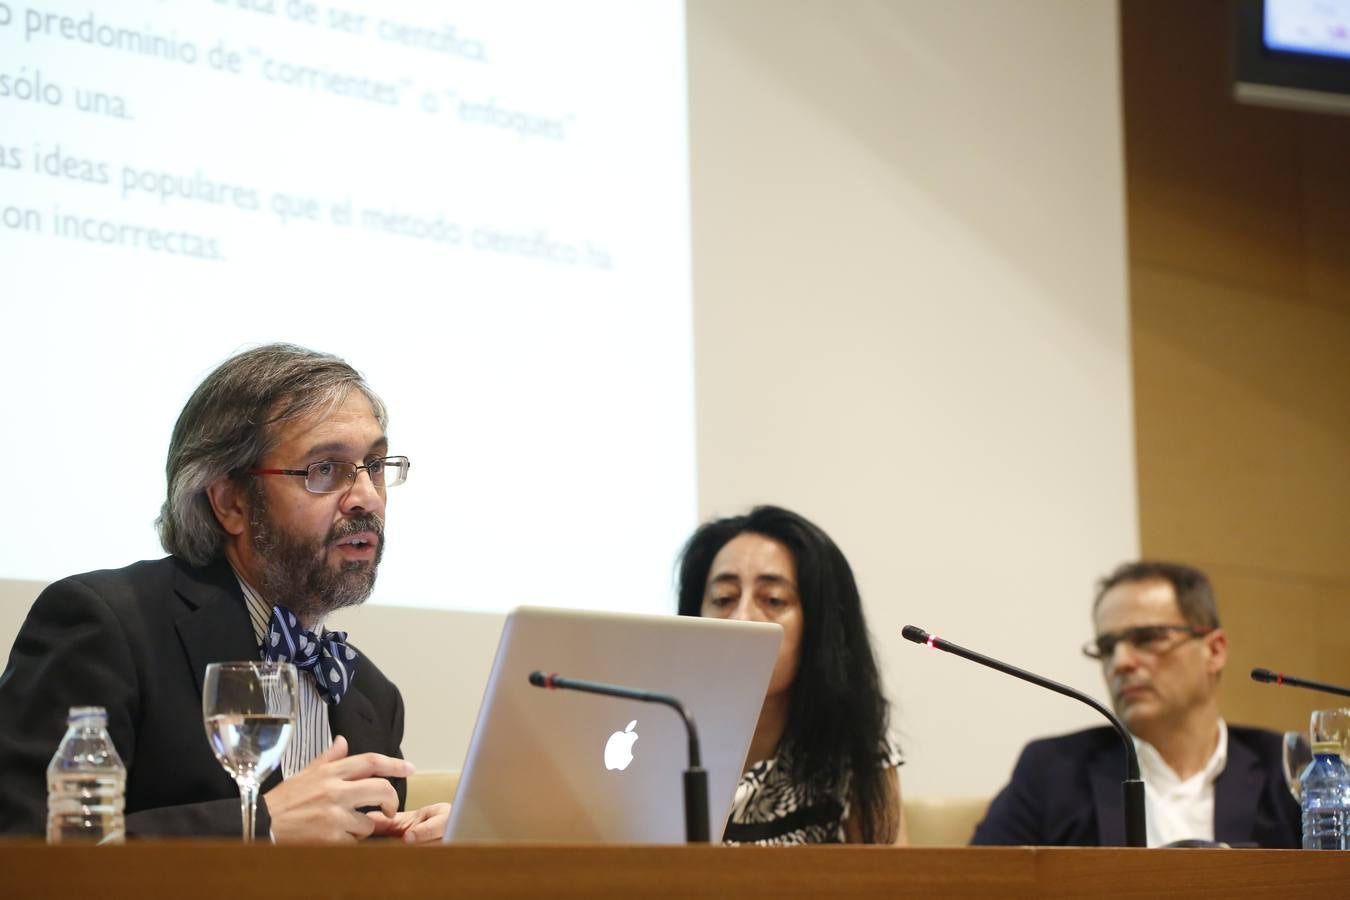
x=327 y=658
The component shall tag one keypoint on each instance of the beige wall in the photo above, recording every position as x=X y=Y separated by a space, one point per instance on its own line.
x=1240 y=294
x=911 y=326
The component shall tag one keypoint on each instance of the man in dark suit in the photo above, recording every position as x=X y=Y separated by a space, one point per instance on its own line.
x=1162 y=652
x=251 y=554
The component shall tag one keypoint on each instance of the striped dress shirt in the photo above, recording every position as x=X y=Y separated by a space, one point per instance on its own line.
x=312 y=735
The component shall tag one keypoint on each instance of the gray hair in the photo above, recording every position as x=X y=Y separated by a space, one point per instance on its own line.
x=228 y=426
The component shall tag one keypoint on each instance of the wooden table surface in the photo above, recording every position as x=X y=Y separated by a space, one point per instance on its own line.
x=30 y=870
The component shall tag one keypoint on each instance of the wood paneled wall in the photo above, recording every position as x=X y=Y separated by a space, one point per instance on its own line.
x=1239 y=251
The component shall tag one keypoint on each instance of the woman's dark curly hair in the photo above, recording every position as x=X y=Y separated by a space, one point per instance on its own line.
x=837 y=713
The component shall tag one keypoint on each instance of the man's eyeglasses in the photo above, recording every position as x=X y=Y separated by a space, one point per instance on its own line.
x=1148 y=638
x=329 y=476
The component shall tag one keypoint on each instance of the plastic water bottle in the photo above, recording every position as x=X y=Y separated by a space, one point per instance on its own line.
x=1326 y=800
x=86 y=783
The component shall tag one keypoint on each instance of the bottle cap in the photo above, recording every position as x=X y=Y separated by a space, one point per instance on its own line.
x=78 y=713
x=1324 y=747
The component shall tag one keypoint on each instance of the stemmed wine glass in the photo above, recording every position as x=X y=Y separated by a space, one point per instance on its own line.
x=1331 y=726
x=1297 y=754
x=249 y=710
x=1325 y=726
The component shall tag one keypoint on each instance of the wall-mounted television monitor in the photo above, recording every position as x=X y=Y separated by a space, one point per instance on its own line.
x=1293 y=53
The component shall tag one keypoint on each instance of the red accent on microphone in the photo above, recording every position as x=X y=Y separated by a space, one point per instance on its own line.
x=548 y=680
x=932 y=640
x=1279 y=678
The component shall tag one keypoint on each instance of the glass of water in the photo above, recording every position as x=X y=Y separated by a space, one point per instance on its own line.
x=249 y=709
x=1297 y=755
x=1331 y=726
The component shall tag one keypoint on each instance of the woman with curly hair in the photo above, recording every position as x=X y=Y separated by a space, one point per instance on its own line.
x=821 y=766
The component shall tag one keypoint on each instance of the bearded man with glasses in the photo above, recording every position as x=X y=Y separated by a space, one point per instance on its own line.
x=1162 y=650
x=278 y=470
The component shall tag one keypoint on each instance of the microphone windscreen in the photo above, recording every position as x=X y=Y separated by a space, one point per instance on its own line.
x=1264 y=675
x=538 y=679
x=914 y=633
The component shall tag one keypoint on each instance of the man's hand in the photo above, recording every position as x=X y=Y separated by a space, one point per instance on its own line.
x=416 y=826
x=320 y=802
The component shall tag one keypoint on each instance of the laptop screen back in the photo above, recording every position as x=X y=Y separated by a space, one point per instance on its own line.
x=560 y=765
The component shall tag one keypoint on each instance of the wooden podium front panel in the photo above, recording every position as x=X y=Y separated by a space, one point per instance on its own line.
x=220 y=871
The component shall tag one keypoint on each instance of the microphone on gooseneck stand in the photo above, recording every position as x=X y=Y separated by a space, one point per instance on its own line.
x=695 y=777
x=1269 y=677
x=1136 y=830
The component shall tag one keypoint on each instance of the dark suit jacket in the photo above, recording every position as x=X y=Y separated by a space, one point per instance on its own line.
x=136 y=641
x=1065 y=791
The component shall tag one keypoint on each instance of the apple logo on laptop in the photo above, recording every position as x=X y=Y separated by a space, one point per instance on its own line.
x=619 y=748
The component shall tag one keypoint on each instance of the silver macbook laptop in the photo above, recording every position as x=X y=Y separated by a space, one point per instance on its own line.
x=561 y=765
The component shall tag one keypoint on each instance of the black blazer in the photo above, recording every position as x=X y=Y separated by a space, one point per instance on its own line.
x=136 y=641
x=1065 y=791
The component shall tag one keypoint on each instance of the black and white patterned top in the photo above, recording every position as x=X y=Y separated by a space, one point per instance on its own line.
x=772 y=809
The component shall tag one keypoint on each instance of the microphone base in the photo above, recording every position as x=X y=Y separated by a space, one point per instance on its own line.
x=1136 y=828
x=696 y=805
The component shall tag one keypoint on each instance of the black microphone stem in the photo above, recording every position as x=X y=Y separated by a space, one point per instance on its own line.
x=1136 y=831
x=696 y=829
x=1269 y=677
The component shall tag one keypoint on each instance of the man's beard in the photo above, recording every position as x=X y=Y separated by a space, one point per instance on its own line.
x=296 y=572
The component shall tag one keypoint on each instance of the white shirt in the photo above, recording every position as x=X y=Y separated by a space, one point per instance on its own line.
x=312 y=734
x=1180 y=810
